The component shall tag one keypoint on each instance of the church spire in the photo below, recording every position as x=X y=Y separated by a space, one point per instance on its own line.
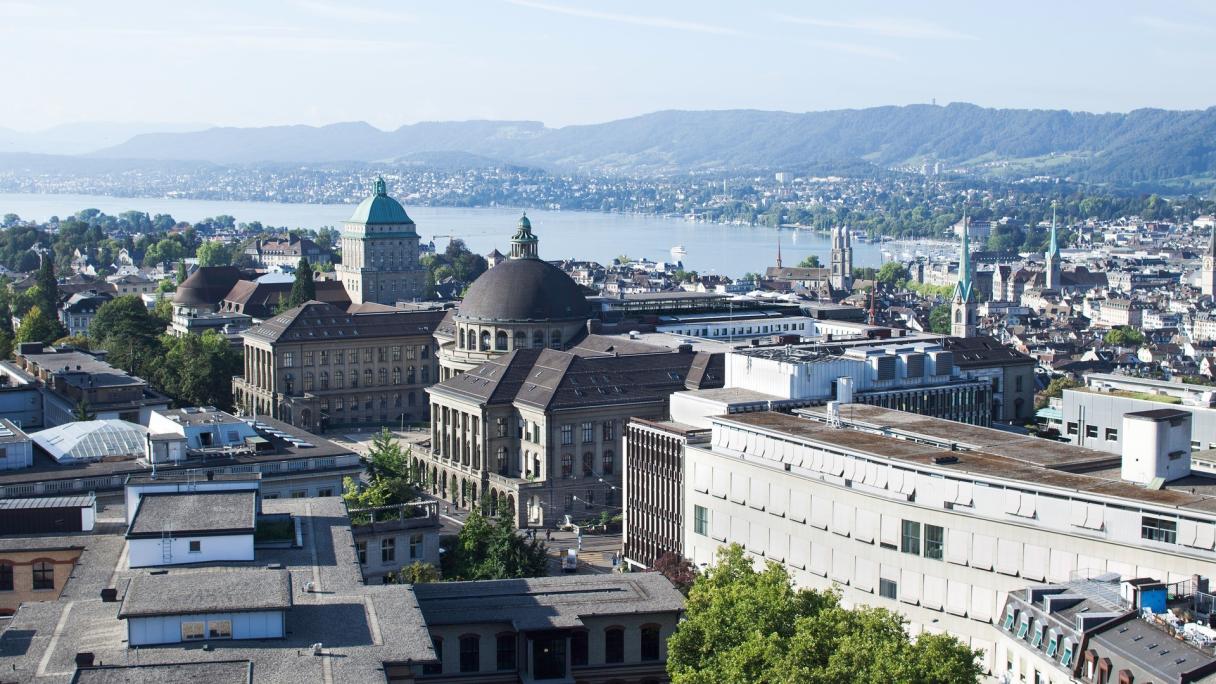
x=778 y=249
x=1054 y=249
x=963 y=315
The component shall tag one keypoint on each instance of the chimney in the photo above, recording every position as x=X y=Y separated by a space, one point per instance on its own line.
x=1156 y=446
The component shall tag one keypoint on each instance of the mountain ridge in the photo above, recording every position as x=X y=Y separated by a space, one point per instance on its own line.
x=1141 y=145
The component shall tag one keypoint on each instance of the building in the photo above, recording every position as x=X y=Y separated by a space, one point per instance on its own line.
x=92 y=441
x=286 y=252
x=550 y=628
x=653 y=487
x=291 y=463
x=206 y=606
x=1010 y=373
x=69 y=378
x=1120 y=312
x=522 y=303
x=932 y=518
x=77 y=313
x=842 y=259
x=390 y=538
x=132 y=284
x=172 y=528
x=16 y=448
x=1110 y=630
x=305 y=614
x=1207 y=272
x=1052 y=269
x=262 y=300
x=196 y=302
x=35 y=569
x=380 y=252
x=319 y=367
x=48 y=515
x=963 y=314
x=539 y=430
x=1092 y=416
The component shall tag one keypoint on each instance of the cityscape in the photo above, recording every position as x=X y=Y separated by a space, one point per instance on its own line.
x=770 y=385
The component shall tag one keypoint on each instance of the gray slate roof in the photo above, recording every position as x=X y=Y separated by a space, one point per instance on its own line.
x=316 y=321
x=194 y=513
x=193 y=593
x=214 y=672
x=546 y=602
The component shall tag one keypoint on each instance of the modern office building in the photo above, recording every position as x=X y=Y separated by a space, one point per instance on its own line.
x=1092 y=415
x=933 y=518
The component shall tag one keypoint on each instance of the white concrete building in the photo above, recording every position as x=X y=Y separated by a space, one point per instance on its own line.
x=206 y=606
x=935 y=519
x=192 y=527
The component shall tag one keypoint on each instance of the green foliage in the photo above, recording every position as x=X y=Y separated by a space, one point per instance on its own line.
x=389 y=480
x=892 y=273
x=939 y=319
x=38 y=327
x=429 y=293
x=681 y=276
x=458 y=262
x=490 y=549
x=124 y=328
x=1124 y=336
x=811 y=261
x=215 y=253
x=414 y=573
x=197 y=370
x=81 y=411
x=304 y=288
x=47 y=294
x=747 y=626
x=1197 y=380
x=931 y=291
x=1055 y=389
x=77 y=341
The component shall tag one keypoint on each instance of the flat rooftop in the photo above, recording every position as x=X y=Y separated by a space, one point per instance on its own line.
x=733 y=395
x=216 y=672
x=189 y=593
x=546 y=602
x=983 y=453
x=214 y=512
x=361 y=627
x=207 y=415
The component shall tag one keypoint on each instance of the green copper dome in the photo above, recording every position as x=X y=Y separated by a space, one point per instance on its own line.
x=380 y=208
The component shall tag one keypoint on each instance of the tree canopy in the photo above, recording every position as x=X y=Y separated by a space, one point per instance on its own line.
x=1124 y=336
x=490 y=548
x=304 y=288
x=751 y=626
x=39 y=327
x=388 y=476
x=811 y=261
x=892 y=273
x=939 y=319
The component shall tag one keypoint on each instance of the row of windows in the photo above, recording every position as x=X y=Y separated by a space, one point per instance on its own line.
x=505 y=649
x=607 y=464
x=388 y=549
x=369 y=402
x=587 y=429
x=381 y=377
x=43 y=576
x=380 y=354
x=499 y=340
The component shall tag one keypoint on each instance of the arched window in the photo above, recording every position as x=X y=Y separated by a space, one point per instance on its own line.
x=460 y=344
x=470 y=653
x=500 y=340
x=44 y=575
x=555 y=339
x=397 y=376
x=382 y=376
x=650 y=642
x=607 y=463
x=614 y=645
x=307 y=381
x=339 y=379
x=567 y=465
x=503 y=463
x=588 y=464
x=538 y=339
x=485 y=340
x=958 y=315
x=521 y=339
x=324 y=380
x=367 y=377
x=409 y=375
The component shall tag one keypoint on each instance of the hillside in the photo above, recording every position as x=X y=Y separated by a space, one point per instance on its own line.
x=1143 y=145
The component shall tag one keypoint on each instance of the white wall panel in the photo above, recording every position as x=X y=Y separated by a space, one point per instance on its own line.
x=867 y=525
x=958 y=595
x=738 y=487
x=821 y=558
x=821 y=512
x=800 y=505
x=758 y=540
x=934 y=593
x=721 y=482
x=1008 y=556
x=981 y=604
x=739 y=531
x=909 y=586
x=1062 y=564
x=958 y=546
x=800 y=552
x=778 y=499
x=1035 y=560
x=702 y=477
x=890 y=529
x=842 y=519
x=983 y=551
x=842 y=566
x=758 y=499
x=865 y=574
x=778 y=545
x=719 y=525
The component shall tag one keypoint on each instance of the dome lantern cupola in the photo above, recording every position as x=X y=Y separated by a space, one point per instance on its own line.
x=524 y=243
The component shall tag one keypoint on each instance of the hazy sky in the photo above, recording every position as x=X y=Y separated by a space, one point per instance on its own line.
x=576 y=61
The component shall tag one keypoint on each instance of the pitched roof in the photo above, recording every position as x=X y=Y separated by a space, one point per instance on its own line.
x=316 y=320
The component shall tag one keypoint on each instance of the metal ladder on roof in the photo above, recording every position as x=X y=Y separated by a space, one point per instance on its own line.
x=166 y=547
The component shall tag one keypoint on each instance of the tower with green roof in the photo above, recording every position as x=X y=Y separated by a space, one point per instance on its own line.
x=963 y=314
x=380 y=252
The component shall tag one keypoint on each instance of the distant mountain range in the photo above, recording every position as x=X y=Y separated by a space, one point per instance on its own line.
x=1143 y=146
x=78 y=138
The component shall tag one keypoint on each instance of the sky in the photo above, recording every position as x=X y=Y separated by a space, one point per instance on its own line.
x=563 y=62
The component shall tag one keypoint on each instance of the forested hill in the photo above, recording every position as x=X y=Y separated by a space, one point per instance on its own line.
x=1143 y=145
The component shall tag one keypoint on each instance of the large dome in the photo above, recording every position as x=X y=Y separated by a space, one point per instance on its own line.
x=519 y=290
x=380 y=208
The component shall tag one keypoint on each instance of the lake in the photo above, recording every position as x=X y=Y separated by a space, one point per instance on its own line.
x=711 y=248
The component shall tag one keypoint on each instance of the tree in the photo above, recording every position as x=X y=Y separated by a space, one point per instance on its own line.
x=746 y=625
x=1124 y=336
x=939 y=319
x=124 y=328
x=678 y=570
x=490 y=549
x=197 y=370
x=81 y=412
x=810 y=262
x=304 y=288
x=388 y=476
x=892 y=273
x=1055 y=390
x=214 y=253
x=38 y=327
x=429 y=293
x=48 y=286
x=414 y=573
